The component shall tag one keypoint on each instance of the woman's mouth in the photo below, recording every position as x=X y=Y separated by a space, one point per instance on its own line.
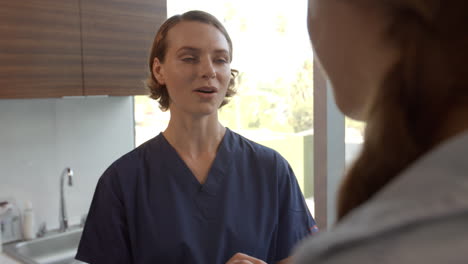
x=206 y=90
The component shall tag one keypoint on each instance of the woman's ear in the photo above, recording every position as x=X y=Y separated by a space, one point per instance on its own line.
x=158 y=71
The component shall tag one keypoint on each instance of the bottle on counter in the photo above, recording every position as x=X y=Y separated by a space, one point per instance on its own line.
x=4 y=208
x=28 y=222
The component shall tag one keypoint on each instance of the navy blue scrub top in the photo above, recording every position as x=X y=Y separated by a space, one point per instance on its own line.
x=148 y=207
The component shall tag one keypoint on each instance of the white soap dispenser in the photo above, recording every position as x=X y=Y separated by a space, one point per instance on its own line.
x=28 y=222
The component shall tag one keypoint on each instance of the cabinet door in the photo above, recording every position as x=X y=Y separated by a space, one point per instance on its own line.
x=117 y=38
x=40 y=51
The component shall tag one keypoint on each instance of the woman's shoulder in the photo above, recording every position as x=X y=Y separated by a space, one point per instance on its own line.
x=441 y=240
x=241 y=143
x=404 y=219
x=129 y=163
x=149 y=149
x=251 y=151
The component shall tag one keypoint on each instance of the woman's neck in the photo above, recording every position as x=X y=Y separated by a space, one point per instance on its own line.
x=195 y=136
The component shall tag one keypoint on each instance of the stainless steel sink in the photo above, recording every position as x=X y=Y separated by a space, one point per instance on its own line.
x=53 y=248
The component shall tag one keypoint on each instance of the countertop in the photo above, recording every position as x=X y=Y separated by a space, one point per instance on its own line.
x=5 y=259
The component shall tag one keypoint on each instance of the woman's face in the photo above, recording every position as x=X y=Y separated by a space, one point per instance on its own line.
x=348 y=41
x=196 y=69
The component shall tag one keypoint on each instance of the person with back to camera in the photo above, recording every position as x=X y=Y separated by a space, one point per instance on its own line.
x=399 y=65
x=197 y=192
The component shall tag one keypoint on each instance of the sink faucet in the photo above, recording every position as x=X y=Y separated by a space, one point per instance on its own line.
x=63 y=218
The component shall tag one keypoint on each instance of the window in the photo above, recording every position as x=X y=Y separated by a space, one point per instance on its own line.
x=354 y=136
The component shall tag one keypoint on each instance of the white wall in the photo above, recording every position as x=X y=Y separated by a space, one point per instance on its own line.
x=40 y=137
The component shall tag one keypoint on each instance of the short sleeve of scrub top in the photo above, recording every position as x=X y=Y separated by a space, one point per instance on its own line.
x=149 y=208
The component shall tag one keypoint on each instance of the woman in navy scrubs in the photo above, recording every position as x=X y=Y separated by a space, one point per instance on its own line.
x=197 y=192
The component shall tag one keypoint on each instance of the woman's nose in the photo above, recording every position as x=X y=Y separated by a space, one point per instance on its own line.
x=207 y=70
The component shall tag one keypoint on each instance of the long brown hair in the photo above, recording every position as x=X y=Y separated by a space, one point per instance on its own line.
x=428 y=81
x=158 y=50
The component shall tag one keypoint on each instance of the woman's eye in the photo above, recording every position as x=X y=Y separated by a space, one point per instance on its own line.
x=189 y=59
x=222 y=60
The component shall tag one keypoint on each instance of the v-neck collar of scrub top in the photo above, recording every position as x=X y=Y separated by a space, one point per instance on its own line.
x=216 y=173
x=434 y=186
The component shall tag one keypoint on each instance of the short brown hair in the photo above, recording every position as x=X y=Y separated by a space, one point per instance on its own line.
x=159 y=49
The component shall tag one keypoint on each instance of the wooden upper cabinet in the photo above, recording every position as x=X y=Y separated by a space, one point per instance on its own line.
x=55 y=48
x=40 y=50
x=117 y=38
